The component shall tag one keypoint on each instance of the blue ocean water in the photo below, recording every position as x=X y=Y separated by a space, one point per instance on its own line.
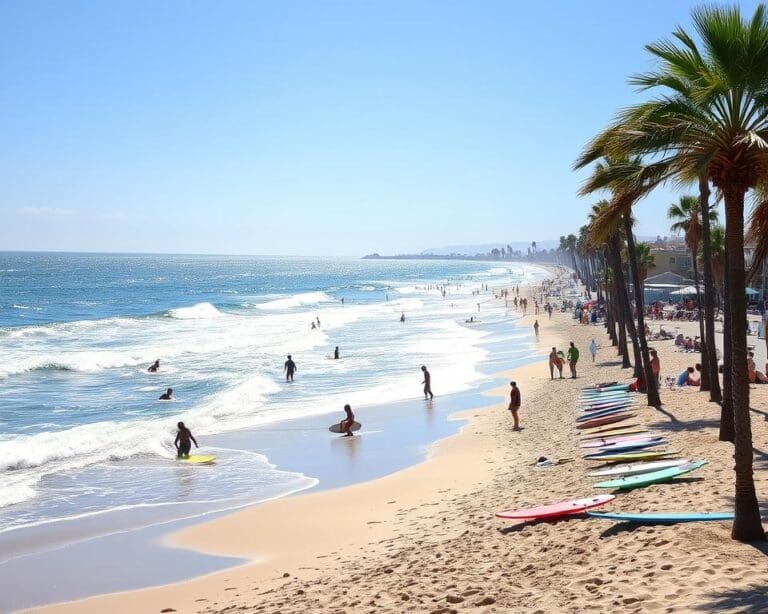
x=81 y=429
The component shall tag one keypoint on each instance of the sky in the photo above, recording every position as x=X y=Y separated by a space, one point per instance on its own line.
x=310 y=128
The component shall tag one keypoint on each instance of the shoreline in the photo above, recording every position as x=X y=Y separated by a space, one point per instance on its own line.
x=189 y=538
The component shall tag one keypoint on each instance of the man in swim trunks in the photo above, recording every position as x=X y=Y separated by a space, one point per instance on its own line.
x=167 y=395
x=346 y=424
x=427 y=383
x=573 y=358
x=290 y=369
x=153 y=368
x=183 y=441
x=514 y=404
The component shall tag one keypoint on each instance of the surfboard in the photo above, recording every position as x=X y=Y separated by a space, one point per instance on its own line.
x=664 y=517
x=635 y=468
x=594 y=406
x=597 y=394
x=336 y=428
x=627 y=446
x=611 y=432
x=644 y=479
x=593 y=409
x=633 y=456
x=557 y=509
x=603 y=420
x=600 y=413
x=198 y=460
x=614 y=441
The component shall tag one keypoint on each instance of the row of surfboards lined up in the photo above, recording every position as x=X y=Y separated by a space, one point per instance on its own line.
x=634 y=457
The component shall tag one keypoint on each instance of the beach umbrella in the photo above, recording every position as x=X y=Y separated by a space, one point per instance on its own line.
x=687 y=290
x=751 y=292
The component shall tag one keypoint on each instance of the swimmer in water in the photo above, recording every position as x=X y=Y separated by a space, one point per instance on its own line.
x=153 y=368
x=167 y=395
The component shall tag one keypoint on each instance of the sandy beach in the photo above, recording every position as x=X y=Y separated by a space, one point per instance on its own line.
x=425 y=539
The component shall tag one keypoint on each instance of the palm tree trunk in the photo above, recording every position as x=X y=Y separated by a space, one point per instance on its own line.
x=715 y=393
x=746 y=525
x=704 y=383
x=726 y=409
x=628 y=324
x=651 y=384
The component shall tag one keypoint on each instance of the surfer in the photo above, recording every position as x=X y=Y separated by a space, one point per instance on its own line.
x=573 y=358
x=182 y=441
x=514 y=404
x=154 y=367
x=427 y=383
x=289 y=368
x=336 y=353
x=349 y=420
x=402 y=317
x=167 y=395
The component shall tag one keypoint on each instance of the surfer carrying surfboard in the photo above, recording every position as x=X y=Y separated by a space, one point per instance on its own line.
x=346 y=424
x=183 y=441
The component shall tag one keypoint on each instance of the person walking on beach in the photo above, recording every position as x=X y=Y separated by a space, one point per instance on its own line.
x=573 y=358
x=593 y=349
x=182 y=442
x=555 y=361
x=427 y=383
x=349 y=420
x=514 y=405
x=167 y=395
x=289 y=368
x=154 y=367
x=655 y=365
x=536 y=328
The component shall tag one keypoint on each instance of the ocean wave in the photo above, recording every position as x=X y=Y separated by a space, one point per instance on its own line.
x=298 y=300
x=28 y=307
x=201 y=311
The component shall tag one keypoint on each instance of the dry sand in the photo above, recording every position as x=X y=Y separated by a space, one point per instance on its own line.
x=426 y=540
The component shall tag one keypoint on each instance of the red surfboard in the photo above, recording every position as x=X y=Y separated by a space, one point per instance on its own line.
x=604 y=420
x=557 y=509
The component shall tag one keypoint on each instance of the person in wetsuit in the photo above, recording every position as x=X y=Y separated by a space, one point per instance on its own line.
x=349 y=420
x=336 y=353
x=153 y=368
x=183 y=442
x=290 y=369
x=167 y=395
x=427 y=383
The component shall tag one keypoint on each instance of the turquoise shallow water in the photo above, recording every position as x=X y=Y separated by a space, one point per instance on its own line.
x=82 y=431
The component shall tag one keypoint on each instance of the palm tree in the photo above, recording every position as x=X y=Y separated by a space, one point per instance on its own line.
x=711 y=120
x=645 y=261
x=710 y=347
x=629 y=180
x=686 y=219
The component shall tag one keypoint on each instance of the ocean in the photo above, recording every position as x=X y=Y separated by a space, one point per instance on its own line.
x=82 y=431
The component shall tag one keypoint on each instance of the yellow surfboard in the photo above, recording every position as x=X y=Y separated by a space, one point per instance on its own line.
x=198 y=460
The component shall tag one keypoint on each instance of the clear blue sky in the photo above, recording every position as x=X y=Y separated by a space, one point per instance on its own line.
x=310 y=128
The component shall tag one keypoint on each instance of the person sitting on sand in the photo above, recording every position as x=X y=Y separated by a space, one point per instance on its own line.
x=427 y=383
x=153 y=368
x=349 y=420
x=686 y=378
x=182 y=441
x=167 y=395
x=514 y=405
x=755 y=376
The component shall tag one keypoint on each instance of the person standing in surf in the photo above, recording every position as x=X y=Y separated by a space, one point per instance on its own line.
x=536 y=328
x=514 y=405
x=289 y=368
x=183 y=441
x=427 y=384
x=336 y=353
x=349 y=420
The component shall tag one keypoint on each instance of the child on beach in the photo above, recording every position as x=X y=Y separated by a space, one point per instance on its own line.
x=182 y=442
x=514 y=405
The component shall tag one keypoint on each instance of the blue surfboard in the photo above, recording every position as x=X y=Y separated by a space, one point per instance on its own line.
x=663 y=517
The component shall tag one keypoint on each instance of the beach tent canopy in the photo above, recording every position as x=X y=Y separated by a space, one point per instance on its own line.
x=666 y=280
x=686 y=291
x=752 y=292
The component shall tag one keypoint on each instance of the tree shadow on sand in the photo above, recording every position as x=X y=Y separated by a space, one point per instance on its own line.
x=750 y=600
x=685 y=425
x=609 y=363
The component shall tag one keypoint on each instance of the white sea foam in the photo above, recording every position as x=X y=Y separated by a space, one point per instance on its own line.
x=201 y=311
x=298 y=300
